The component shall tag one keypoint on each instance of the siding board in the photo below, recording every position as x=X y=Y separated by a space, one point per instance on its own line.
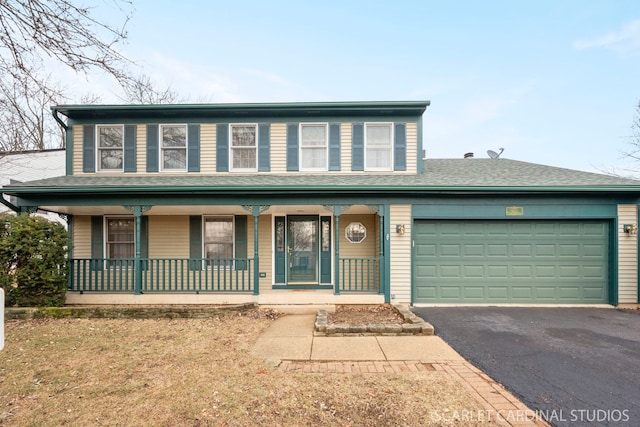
x=401 y=254
x=627 y=256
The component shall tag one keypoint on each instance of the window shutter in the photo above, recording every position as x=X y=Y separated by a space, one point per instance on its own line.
x=334 y=146
x=222 y=148
x=88 y=148
x=264 y=148
x=144 y=241
x=241 y=241
x=193 y=142
x=97 y=242
x=292 y=147
x=357 y=147
x=195 y=242
x=153 y=154
x=400 y=147
x=130 y=148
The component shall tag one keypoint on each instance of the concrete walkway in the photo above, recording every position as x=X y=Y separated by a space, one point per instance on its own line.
x=289 y=343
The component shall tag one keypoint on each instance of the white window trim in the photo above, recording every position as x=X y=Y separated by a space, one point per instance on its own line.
x=161 y=148
x=105 y=250
x=97 y=144
x=231 y=168
x=233 y=239
x=346 y=232
x=391 y=148
x=326 y=147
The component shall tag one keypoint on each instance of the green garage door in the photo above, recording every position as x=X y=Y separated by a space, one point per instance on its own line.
x=506 y=261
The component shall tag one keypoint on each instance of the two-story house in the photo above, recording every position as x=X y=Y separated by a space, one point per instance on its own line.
x=316 y=203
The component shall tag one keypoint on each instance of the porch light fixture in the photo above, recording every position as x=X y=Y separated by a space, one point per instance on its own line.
x=630 y=229
x=400 y=229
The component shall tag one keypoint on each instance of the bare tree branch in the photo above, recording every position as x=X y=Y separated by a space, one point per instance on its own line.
x=142 y=90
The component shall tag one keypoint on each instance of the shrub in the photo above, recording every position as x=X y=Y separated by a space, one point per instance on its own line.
x=33 y=261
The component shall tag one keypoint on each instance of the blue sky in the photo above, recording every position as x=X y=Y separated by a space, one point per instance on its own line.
x=553 y=82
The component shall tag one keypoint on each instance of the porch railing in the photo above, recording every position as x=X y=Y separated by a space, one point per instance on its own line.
x=162 y=275
x=359 y=274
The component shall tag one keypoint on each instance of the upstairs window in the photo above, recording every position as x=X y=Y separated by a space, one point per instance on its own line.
x=378 y=147
x=243 y=148
x=313 y=147
x=110 y=148
x=173 y=147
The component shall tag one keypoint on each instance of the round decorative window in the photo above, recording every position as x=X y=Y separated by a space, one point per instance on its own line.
x=355 y=232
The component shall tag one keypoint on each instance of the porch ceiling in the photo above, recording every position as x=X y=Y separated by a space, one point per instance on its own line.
x=205 y=210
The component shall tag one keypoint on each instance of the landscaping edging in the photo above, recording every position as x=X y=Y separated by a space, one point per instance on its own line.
x=125 y=312
x=412 y=325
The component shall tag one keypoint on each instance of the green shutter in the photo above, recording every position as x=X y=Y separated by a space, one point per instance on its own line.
x=152 y=148
x=130 y=148
x=241 y=241
x=193 y=143
x=195 y=242
x=334 y=146
x=88 y=148
x=97 y=242
x=222 y=148
x=400 y=147
x=292 y=147
x=325 y=250
x=264 y=148
x=357 y=147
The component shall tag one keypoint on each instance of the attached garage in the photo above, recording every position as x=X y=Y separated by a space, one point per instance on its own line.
x=511 y=261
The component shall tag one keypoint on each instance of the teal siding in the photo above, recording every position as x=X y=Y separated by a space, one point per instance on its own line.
x=511 y=261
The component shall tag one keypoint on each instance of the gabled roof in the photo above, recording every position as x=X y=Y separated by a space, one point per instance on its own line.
x=451 y=175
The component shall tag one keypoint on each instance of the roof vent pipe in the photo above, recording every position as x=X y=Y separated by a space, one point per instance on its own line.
x=468 y=155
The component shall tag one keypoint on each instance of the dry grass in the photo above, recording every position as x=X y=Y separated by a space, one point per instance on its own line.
x=126 y=372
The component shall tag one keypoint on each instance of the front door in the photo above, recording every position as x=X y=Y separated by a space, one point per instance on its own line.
x=302 y=250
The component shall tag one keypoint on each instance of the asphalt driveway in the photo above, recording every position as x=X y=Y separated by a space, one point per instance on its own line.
x=576 y=366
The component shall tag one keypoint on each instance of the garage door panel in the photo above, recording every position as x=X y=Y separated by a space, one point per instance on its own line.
x=511 y=261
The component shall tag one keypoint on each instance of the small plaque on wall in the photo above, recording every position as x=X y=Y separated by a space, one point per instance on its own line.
x=515 y=211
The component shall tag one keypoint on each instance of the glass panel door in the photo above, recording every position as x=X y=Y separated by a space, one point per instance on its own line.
x=302 y=250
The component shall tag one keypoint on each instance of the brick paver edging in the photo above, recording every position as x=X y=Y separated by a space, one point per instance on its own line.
x=498 y=403
x=412 y=325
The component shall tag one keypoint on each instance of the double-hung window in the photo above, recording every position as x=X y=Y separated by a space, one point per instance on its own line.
x=218 y=240
x=110 y=147
x=313 y=147
x=378 y=147
x=120 y=240
x=243 y=148
x=173 y=147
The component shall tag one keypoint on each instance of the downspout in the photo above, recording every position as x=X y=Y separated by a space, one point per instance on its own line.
x=9 y=204
x=54 y=112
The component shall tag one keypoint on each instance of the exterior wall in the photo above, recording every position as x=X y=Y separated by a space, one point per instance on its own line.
x=265 y=247
x=278 y=149
x=627 y=256
x=366 y=249
x=400 y=274
x=82 y=237
x=168 y=236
